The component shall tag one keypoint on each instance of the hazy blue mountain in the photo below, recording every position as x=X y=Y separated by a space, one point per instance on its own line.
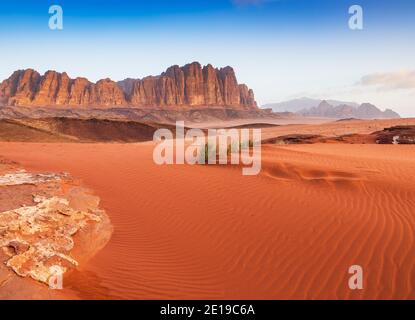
x=332 y=109
x=296 y=105
x=344 y=111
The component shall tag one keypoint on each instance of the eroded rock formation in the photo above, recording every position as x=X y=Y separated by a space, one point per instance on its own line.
x=396 y=135
x=50 y=230
x=187 y=86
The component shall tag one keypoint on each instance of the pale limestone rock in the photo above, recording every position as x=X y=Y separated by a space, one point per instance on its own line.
x=38 y=238
x=22 y=177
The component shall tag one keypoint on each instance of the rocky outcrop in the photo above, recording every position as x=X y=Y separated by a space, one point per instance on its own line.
x=187 y=86
x=396 y=135
x=400 y=134
x=294 y=139
x=48 y=226
x=364 y=111
x=29 y=88
x=20 y=87
x=190 y=85
x=77 y=130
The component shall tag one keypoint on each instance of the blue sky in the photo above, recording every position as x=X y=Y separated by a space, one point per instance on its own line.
x=281 y=48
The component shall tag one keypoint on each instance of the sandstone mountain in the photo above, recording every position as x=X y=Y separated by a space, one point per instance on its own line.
x=363 y=111
x=189 y=86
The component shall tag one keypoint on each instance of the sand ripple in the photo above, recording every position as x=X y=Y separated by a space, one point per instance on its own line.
x=208 y=232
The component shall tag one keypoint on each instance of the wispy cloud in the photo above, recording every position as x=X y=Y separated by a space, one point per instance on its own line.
x=404 y=79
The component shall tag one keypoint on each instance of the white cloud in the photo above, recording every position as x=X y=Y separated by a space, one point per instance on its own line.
x=393 y=90
x=404 y=79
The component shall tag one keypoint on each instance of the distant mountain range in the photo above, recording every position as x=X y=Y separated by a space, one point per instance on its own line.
x=332 y=109
x=296 y=105
x=178 y=87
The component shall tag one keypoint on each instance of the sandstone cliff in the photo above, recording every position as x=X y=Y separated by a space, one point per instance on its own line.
x=188 y=86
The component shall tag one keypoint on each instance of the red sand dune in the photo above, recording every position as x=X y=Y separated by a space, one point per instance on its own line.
x=209 y=232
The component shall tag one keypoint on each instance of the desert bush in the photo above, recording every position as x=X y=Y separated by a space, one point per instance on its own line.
x=209 y=149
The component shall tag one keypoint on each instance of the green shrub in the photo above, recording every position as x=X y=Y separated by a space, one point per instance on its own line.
x=209 y=149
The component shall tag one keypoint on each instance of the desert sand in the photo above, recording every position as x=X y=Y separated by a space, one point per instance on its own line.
x=207 y=232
